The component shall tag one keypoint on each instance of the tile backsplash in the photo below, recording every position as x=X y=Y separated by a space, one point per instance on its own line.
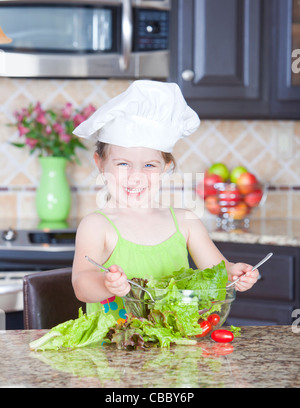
x=270 y=149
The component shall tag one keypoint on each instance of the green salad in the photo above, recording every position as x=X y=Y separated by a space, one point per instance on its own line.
x=170 y=319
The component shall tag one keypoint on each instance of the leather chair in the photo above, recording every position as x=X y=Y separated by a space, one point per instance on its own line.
x=49 y=299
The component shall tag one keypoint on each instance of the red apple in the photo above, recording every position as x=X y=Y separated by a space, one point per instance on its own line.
x=253 y=199
x=212 y=204
x=246 y=183
x=206 y=187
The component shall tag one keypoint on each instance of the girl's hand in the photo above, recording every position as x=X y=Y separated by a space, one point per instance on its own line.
x=116 y=281
x=248 y=277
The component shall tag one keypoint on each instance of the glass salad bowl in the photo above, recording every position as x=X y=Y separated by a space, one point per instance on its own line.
x=185 y=310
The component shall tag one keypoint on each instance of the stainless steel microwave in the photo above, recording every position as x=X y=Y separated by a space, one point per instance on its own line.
x=85 y=38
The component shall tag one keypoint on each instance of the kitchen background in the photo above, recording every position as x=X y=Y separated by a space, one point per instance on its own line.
x=232 y=61
x=268 y=148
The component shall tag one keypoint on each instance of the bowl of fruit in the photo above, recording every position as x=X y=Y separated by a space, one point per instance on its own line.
x=231 y=196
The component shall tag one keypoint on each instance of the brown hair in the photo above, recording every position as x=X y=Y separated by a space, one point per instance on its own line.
x=102 y=151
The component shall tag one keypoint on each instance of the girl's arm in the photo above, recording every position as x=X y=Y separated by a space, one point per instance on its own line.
x=205 y=254
x=89 y=283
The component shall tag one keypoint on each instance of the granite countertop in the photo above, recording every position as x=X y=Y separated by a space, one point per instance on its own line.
x=265 y=231
x=265 y=356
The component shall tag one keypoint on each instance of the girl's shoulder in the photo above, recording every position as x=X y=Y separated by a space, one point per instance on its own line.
x=94 y=221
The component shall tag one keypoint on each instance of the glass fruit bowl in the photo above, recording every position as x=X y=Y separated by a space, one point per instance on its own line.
x=183 y=307
x=233 y=204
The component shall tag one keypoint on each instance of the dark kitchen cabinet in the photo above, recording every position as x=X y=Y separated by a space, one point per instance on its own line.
x=232 y=58
x=285 y=89
x=273 y=298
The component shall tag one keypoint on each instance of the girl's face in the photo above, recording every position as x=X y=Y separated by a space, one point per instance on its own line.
x=132 y=175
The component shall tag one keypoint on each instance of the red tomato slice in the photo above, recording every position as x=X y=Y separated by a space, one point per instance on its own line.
x=222 y=336
x=213 y=319
x=206 y=328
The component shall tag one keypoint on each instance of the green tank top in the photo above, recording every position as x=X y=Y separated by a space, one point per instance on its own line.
x=140 y=261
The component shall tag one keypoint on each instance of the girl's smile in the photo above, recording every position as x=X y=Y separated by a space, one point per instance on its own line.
x=134 y=191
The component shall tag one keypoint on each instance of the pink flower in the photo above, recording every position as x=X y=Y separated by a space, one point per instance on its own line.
x=48 y=130
x=20 y=115
x=67 y=111
x=25 y=112
x=38 y=109
x=78 y=119
x=22 y=130
x=31 y=142
x=57 y=127
x=41 y=118
x=87 y=111
x=65 y=138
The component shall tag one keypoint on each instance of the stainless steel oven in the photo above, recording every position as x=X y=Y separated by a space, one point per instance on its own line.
x=25 y=251
x=85 y=38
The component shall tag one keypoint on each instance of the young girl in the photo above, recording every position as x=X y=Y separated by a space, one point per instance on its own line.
x=132 y=236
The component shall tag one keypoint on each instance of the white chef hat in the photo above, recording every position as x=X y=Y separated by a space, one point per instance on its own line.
x=148 y=114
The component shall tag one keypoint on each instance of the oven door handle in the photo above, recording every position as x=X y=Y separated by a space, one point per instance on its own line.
x=37 y=247
x=126 y=35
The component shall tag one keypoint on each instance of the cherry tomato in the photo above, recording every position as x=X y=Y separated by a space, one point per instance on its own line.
x=222 y=336
x=206 y=328
x=213 y=319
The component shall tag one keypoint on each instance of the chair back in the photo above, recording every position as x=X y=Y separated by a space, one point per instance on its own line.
x=49 y=299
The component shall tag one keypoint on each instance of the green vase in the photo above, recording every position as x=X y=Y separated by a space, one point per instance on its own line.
x=53 y=196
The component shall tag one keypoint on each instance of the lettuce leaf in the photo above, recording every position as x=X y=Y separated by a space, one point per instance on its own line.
x=85 y=330
x=209 y=280
x=143 y=333
x=210 y=284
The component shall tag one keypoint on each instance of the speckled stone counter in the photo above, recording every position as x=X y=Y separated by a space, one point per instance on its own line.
x=261 y=357
x=265 y=231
